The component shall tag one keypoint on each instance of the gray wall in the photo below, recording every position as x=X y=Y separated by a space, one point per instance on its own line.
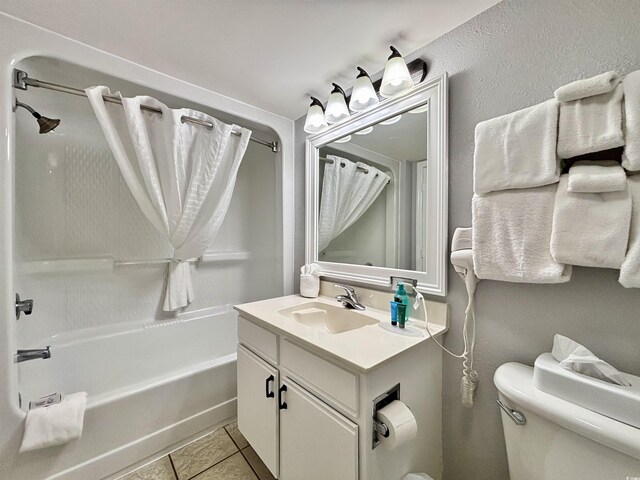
x=512 y=56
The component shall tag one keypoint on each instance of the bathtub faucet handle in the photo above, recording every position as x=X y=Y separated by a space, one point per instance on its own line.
x=23 y=306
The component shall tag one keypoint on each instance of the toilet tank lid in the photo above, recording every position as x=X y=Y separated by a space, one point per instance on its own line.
x=515 y=382
x=615 y=401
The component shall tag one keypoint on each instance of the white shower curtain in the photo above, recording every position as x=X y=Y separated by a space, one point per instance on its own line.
x=182 y=175
x=346 y=194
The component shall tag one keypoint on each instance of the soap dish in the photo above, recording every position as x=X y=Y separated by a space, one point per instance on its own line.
x=406 y=331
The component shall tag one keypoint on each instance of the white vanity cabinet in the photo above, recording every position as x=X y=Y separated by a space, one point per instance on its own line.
x=296 y=434
x=316 y=442
x=309 y=415
x=257 y=406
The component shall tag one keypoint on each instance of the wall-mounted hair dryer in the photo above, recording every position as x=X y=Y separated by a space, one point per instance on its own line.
x=462 y=257
x=462 y=260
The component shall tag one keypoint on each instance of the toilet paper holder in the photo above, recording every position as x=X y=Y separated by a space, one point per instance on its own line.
x=380 y=430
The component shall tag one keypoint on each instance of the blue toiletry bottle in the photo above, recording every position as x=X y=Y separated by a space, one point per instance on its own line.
x=403 y=297
x=394 y=312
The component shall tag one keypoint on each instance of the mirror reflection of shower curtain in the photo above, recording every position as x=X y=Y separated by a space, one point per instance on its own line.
x=182 y=175
x=346 y=194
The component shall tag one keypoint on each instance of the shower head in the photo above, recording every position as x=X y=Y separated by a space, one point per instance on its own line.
x=46 y=124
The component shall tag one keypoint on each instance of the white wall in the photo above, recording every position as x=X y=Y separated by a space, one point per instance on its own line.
x=510 y=57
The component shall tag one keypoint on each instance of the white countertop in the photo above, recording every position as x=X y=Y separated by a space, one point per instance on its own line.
x=362 y=349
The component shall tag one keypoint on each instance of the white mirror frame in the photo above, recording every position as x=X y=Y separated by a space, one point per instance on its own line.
x=433 y=281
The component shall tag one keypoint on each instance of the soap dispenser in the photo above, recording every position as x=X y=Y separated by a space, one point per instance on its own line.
x=402 y=296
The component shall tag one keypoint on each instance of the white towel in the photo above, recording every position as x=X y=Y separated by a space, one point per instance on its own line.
x=511 y=234
x=596 y=177
x=56 y=424
x=631 y=155
x=591 y=124
x=517 y=150
x=588 y=87
x=590 y=229
x=580 y=359
x=630 y=269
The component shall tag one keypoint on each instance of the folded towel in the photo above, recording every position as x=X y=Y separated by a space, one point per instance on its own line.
x=56 y=424
x=588 y=87
x=631 y=155
x=591 y=124
x=630 y=269
x=578 y=358
x=590 y=229
x=511 y=234
x=596 y=177
x=517 y=150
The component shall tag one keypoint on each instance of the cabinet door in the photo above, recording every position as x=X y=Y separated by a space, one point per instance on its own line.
x=257 y=406
x=316 y=442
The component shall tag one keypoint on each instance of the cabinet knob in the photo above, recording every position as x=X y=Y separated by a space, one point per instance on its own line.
x=282 y=405
x=267 y=390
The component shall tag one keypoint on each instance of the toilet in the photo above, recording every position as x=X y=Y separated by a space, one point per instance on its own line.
x=548 y=438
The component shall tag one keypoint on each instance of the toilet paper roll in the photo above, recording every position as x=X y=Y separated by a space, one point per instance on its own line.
x=401 y=423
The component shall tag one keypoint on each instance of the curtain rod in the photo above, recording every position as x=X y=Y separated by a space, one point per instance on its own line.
x=330 y=160
x=22 y=81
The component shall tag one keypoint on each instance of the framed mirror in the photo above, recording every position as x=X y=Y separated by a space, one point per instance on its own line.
x=376 y=201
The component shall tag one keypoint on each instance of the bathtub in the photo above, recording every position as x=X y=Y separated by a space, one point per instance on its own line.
x=149 y=386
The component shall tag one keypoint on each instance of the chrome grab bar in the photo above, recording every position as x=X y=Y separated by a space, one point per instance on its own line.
x=515 y=415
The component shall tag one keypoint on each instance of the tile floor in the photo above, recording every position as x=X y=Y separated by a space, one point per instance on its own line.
x=221 y=455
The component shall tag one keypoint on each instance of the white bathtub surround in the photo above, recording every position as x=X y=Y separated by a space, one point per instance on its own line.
x=56 y=424
x=511 y=235
x=347 y=192
x=140 y=380
x=517 y=150
x=588 y=87
x=577 y=358
x=590 y=229
x=631 y=154
x=630 y=269
x=591 y=124
x=596 y=177
x=182 y=175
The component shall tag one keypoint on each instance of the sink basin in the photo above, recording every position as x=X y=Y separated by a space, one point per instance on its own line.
x=328 y=318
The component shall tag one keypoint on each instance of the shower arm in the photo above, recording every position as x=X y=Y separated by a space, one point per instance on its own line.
x=22 y=81
x=26 y=107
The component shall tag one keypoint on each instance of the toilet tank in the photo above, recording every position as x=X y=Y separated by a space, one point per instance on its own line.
x=561 y=440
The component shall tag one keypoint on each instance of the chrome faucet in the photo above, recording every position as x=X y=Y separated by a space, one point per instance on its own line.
x=350 y=299
x=32 y=354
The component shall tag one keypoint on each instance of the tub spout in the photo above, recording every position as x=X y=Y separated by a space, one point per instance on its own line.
x=32 y=354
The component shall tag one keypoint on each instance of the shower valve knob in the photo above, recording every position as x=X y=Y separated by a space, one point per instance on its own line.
x=23 y=306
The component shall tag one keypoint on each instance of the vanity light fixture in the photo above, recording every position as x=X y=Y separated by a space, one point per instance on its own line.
x=343 y=139
x=363 y=95
x=396 y=79
x=315 y=121
x=337 y=105
x=364 y=131
x=392 y=120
